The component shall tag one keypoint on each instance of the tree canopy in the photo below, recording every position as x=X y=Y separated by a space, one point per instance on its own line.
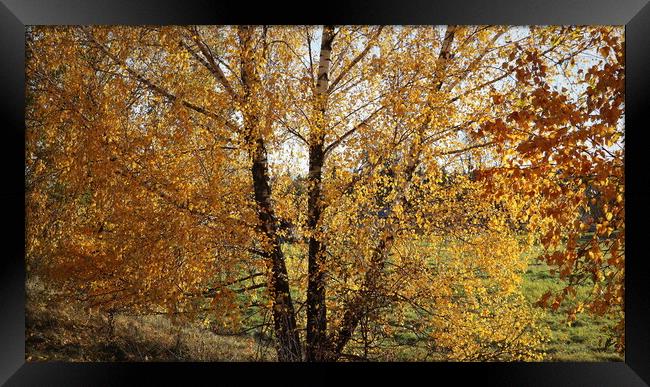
x=169 y=169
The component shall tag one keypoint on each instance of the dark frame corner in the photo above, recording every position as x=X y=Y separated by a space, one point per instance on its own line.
x=16 y=14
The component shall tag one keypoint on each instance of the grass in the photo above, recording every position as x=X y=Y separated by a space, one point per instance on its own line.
x=65 y=332
x=586 y=339
x=58 y=331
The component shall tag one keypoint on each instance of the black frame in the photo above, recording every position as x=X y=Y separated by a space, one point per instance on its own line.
x=15 y=14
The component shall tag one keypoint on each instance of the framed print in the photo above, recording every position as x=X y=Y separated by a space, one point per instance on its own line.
x=214 y=193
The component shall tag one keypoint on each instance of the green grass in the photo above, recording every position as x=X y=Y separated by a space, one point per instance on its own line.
x=586 y=339
x=54 y=332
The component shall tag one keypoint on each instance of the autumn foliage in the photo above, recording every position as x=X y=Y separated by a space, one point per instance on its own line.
x=169 y=169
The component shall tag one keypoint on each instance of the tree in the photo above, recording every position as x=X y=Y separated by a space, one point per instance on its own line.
x=162 y=162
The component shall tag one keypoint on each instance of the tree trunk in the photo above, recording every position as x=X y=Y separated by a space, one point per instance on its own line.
x=369 y=296
x=316 y=307
x=284 y=317
x=283 y=311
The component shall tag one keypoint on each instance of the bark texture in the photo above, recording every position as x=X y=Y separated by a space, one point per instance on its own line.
x=284 y=316
x=316 y=307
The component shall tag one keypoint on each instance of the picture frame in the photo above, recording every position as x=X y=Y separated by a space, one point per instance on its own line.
x=16 y=14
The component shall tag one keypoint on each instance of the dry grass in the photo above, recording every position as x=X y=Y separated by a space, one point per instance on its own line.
x=58 y=331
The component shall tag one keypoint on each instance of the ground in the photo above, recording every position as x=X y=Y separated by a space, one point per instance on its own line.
x=57 y=331
x=586 y=339
x=66 y=332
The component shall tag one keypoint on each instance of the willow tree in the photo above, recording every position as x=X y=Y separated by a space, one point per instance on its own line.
x=167 y=166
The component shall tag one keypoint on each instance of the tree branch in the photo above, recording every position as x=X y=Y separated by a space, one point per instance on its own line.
x=354 y=61
x=345 y=135
x=210 y=64
x=158 y=89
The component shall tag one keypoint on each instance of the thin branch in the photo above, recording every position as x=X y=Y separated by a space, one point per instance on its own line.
x=209 y=63
x=158 y=89
x=356 y=60
x=339 y=140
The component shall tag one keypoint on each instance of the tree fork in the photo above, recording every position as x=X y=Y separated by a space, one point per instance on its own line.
x=359 y=304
